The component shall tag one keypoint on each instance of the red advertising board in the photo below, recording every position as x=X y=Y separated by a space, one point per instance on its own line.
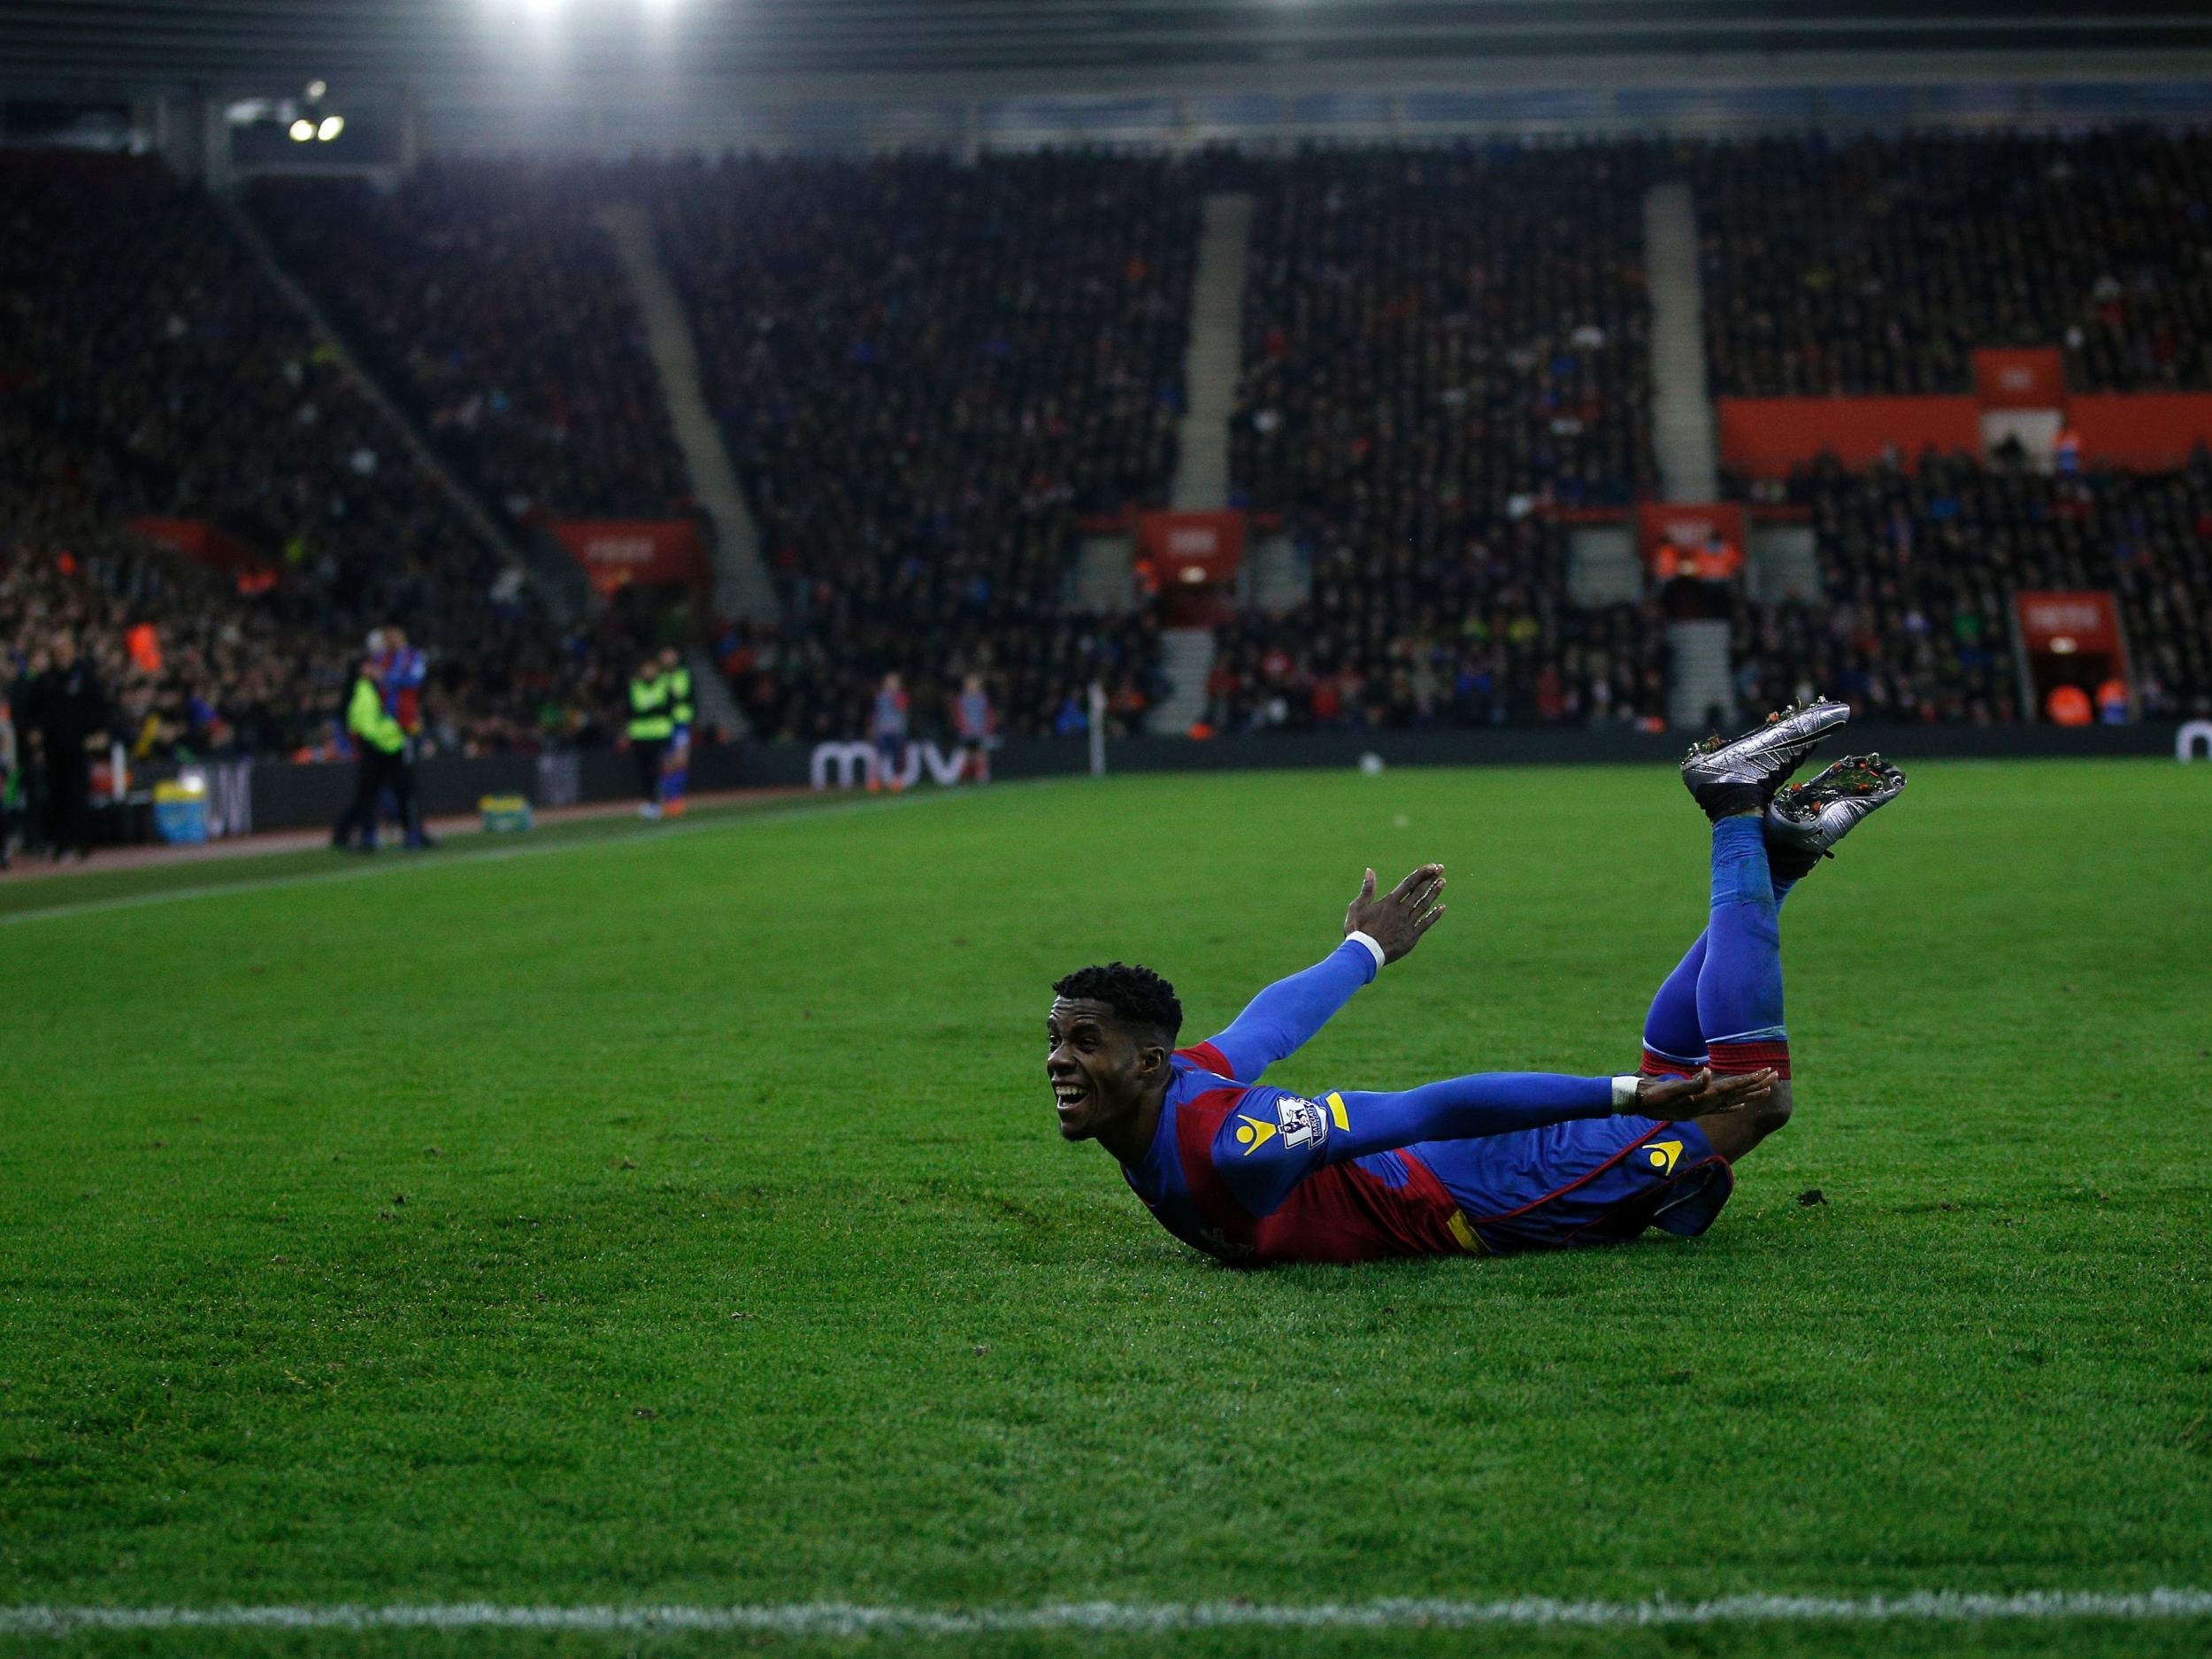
x=1686 y=525
x=2069 y=623
x=2149 y=431
x=616 y=552
x=1766 y=437
x=1192 y=548
x=2016 y=377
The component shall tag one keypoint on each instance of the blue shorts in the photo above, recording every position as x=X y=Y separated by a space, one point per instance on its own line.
x=1594 y=1180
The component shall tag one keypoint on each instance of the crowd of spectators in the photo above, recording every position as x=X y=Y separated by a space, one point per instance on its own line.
x=149 y=368
x=1440 y=346
x=933 y=377
x=929 y=374
x=1919 y=568
x=806 y=686
x=1482 y=635
x=197 y=670
x=1432 y=334
x=1878 y=265
x=491 y=303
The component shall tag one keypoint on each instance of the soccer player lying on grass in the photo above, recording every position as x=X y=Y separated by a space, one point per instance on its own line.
x=1501 y=1161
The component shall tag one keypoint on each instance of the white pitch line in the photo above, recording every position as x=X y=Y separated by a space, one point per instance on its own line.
x=460 y=858
x=843 y=1619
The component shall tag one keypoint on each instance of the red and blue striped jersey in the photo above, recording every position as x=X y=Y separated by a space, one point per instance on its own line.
x=1252 y=1173
x=1238 y=1171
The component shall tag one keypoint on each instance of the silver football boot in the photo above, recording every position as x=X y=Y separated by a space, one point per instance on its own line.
x=1740 y=774
x=1806 y=820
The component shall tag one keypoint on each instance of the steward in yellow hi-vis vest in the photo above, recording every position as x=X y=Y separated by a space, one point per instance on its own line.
x=676 y=768
x=651 y=728
x=380 y=763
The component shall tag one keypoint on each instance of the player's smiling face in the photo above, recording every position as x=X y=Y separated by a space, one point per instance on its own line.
x=1096 y=1065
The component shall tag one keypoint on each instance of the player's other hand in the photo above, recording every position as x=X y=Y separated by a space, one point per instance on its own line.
x=1398 y=918
x=1702 y=1096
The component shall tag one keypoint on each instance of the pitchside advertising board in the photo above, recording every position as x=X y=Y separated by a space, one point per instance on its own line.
x=648 y=552
x=845 y=765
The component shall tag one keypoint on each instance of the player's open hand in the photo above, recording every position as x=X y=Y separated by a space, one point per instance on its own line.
x=1397 y=919
x=1702 y=1096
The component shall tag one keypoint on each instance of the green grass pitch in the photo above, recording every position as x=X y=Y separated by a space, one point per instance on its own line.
x=680 y=1219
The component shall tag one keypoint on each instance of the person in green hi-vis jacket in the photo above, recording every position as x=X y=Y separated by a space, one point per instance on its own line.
x=676 y=766
x=651 y=724
x=380 y=763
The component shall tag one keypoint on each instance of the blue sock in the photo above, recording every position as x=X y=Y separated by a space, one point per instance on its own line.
x=1739 y=985
x=1674 y=1040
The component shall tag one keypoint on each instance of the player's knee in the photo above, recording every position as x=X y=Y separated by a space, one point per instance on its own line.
x=1773 y=1112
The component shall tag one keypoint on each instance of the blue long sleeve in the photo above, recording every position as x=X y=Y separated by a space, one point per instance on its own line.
x=1462 y=1108
x=1280 y=1020
x=1273 y=1139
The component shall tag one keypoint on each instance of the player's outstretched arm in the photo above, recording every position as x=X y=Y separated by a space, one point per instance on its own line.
x=1282 y=1018
x=1270 y=1144
x=1498 y=1103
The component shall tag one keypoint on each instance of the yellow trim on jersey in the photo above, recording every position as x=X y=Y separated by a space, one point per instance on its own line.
x=1336 y=1112
x=1468 y=1239
x=1253 y=1133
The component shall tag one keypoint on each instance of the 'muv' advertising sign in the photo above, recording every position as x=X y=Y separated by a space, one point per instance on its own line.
x=859 y=763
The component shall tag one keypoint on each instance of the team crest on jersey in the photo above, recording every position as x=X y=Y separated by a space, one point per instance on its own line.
x=1301 y=1122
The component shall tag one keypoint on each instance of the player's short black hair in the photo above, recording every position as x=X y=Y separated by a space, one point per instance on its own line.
x=1137 y=995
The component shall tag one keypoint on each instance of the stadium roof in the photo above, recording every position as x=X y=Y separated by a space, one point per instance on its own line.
x=149 y=45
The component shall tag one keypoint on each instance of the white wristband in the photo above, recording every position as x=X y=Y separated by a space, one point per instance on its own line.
x=1624 y=1091
x=1373 y=950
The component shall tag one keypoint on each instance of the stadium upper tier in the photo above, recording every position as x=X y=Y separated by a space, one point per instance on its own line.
x=1431 y=335
x=1879 y=265
x=489 y=301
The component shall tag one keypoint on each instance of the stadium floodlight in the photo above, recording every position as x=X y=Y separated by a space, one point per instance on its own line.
x=316 y=88
x=303 y=130
x=333 y=125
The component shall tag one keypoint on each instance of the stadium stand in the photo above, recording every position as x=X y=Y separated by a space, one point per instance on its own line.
x=485 y=299
x=1429 y=334
x=1480 y=633
x=151 y=370
x=929 y=375
x=1878 y=266
x=1440 y=347
x=933 y=377
x=1920 y=568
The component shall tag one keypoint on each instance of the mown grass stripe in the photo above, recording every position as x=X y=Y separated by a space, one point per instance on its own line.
x=844 y=1619
x=397 y=863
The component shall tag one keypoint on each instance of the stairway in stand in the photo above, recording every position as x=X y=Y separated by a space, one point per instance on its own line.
x=1186 y=657
x=1700 y=679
